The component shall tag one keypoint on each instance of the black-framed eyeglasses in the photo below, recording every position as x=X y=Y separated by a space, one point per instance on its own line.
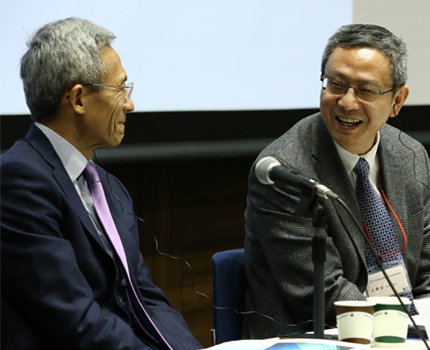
x=364 y=93
x=127 y=88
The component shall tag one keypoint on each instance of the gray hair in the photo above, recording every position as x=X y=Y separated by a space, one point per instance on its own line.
x=60 y=55
x=371 y=36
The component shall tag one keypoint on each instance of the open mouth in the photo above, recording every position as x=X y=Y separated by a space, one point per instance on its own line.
x=348 y=121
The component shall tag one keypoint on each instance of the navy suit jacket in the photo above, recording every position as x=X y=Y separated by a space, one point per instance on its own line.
x=60 y=287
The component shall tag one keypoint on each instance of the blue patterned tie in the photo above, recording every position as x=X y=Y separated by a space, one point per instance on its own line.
x=379 y=226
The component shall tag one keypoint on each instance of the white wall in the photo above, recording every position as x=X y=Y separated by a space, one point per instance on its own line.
x=193 y=54
x=409 y=20
x=218 y=54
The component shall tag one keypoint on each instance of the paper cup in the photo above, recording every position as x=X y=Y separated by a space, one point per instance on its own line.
x=390 y=324
x=355 y=320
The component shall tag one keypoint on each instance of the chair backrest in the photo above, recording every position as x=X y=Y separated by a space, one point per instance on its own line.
x=229 y=286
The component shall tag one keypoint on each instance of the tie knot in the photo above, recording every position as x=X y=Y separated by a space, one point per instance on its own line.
x=91 y=175
x=362 y=168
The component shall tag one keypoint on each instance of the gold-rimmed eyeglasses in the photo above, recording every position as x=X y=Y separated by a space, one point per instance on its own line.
x=127 y=88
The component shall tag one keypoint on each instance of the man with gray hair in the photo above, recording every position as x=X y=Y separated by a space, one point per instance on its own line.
x=72 y=273
x=381 y=173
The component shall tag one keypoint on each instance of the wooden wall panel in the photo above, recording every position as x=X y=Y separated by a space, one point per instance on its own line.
x=195 y=208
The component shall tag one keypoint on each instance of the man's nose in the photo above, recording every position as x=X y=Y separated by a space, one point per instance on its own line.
x=349 y=100
x=128 y=105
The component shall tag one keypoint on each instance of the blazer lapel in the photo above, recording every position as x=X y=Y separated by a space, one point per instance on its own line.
x=41 y=144
x=393 y=175
x=332 y=174
x=123 y=220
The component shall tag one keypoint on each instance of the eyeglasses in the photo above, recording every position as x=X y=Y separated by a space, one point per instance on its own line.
x=127 y=88
x=362 y=92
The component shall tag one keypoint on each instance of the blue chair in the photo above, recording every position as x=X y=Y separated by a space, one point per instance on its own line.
x=229 y=286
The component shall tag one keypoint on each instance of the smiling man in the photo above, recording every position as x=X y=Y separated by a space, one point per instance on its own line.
x=363 y=76
x=72 y=273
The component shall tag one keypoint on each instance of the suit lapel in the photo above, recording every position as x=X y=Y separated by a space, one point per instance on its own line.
x=122 y=219
x=332 y=174
x=392 y=176
x=41 y=144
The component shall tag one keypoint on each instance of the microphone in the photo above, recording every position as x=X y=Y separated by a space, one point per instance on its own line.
x=269 y=171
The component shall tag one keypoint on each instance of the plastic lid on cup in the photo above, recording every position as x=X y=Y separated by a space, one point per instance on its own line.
x=355 y=303
x=389 y=300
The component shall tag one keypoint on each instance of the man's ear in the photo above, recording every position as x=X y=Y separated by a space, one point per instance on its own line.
x=399 y=100
x=76 y=98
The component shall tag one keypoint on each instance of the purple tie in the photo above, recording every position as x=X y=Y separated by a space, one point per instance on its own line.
x=104 y=214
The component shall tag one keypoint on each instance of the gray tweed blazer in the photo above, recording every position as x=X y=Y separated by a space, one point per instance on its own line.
x=278 y=243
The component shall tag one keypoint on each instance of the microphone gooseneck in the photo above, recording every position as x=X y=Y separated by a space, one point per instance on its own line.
x=270 y=171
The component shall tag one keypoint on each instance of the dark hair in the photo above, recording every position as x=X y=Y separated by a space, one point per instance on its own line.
x=372 y=36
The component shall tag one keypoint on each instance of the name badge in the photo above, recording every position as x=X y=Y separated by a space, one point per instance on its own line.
x=378 y=286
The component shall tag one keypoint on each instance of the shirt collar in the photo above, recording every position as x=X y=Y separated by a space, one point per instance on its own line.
x=73 y=160
x=349 y=160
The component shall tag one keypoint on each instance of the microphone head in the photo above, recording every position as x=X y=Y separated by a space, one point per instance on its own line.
x=263 y=167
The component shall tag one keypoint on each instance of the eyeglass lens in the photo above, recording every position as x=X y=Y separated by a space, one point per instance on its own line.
x=364 y=93
x=129 y=89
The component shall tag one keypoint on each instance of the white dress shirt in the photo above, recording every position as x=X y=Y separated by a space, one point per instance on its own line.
x=350 y=160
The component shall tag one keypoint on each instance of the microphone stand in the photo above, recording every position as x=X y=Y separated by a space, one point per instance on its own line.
x=319 y=258
x=308 y=206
